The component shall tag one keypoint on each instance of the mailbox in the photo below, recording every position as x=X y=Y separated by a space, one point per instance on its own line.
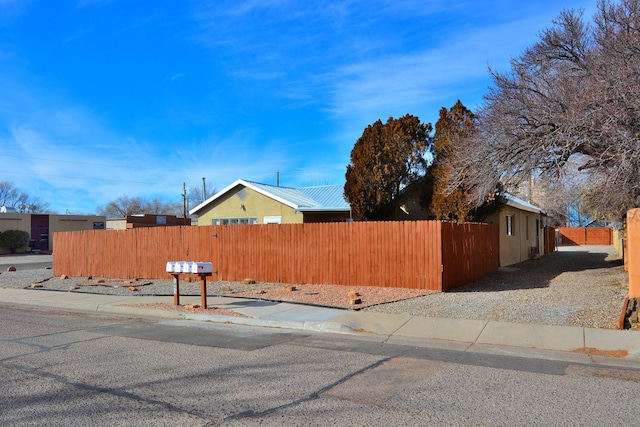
x=171 y=267
x=201 y=267
x=189 y=267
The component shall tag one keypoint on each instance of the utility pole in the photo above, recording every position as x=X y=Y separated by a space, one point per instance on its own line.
x=204 y=190
x=184 y=202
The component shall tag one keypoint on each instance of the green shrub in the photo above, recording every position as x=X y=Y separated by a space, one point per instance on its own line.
x=14 y=240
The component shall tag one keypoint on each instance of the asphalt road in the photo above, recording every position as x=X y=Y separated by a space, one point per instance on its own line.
x=80 y=369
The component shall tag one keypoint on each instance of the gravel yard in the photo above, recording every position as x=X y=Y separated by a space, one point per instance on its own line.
x=580 y=286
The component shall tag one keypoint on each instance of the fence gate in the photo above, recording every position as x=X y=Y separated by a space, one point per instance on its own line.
x=586 y=235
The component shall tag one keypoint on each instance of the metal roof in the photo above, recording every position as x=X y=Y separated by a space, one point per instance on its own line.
x=318 y=198
x=293 y=196
x=327 y=196
x=512 y=200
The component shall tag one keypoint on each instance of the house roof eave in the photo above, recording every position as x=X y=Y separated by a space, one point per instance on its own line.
x=513 y=201
x=246 y=184
x=304 y=209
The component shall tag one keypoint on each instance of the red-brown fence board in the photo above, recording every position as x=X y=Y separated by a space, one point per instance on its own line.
x=430 y=255
x=586 y=236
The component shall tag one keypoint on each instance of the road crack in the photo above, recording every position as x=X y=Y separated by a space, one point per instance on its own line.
x=315 y=395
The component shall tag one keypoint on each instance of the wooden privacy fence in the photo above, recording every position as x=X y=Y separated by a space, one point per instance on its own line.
x=432 y=255
x=586 y=235
x=549 y=240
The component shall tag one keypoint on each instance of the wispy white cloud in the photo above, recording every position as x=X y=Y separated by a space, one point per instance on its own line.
x=362 y=62
x=79 y=160
x=421 y=81
x=179 y=76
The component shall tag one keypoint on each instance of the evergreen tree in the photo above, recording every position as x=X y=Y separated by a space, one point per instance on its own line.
x=384 y=160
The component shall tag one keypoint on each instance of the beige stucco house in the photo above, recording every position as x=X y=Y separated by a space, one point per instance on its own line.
x=247 y=202
x=521 y=225
x=521 y=229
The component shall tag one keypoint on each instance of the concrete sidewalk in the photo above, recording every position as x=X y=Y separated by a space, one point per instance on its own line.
x=578 y=344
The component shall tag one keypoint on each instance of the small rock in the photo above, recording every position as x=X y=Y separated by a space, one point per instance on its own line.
x=355 y=301
x=249 y=281
x=291 y=288
x=73 y=287
x=98 y=281
x=261 y=291
x=64 y=277
x=36 y=285
x=191 y=306
x=353 y=294
x=133 y=288
x=11 y=268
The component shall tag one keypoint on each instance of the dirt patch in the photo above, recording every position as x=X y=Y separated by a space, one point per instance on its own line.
x=192 y=309
x=591 y=351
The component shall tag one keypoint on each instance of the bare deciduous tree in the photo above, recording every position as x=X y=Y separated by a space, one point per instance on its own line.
x=125 y=205
x=10 y=196
x=196 y=196
x=574 y=93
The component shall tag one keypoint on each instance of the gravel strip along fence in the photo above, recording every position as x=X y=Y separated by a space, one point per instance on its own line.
x=579 y=286
x=576 y=285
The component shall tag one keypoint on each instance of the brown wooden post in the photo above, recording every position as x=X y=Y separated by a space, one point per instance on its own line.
x=176 y=289
x=203 y=290
x=633 y=251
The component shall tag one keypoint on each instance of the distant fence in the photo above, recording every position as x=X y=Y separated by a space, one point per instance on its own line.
x=586 y=235
x=431 y=255
x=549 y=240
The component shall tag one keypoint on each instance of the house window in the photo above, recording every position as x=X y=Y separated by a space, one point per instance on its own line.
x=234 y=221
x=510 y=225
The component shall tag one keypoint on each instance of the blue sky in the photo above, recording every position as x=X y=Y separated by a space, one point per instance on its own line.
x=105 y=98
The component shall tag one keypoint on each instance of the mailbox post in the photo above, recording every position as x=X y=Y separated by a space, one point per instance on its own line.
x=201 y=269
x=203 y=289
x=176 y=289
